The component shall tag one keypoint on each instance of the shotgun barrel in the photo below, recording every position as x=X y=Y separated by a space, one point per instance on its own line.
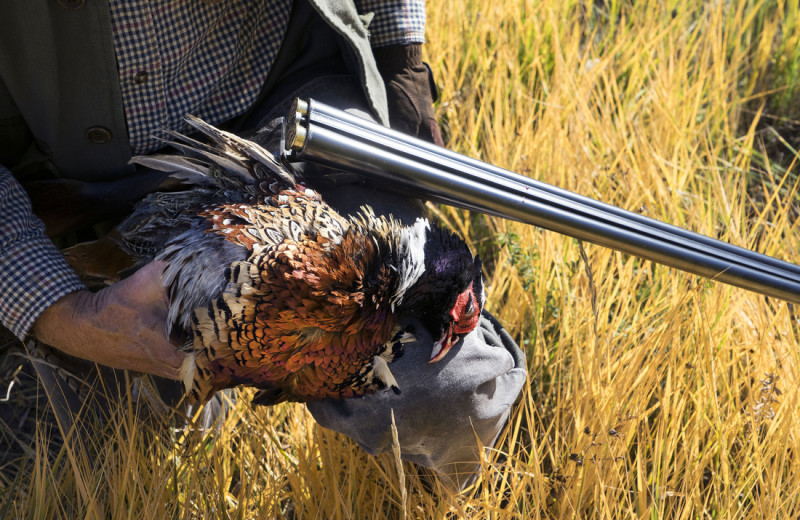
x=318 y=133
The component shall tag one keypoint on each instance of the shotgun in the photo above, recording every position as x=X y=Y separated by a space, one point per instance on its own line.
x=321 y=134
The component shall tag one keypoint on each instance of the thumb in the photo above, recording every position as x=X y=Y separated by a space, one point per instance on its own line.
x=146 y=286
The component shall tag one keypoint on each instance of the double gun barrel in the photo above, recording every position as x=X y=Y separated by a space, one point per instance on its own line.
x=334 y=138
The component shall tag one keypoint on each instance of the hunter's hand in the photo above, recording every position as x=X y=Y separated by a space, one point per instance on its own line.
x=122 y=326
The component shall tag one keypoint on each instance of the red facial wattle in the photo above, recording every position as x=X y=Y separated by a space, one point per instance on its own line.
x=465 y=315
x=466 y=312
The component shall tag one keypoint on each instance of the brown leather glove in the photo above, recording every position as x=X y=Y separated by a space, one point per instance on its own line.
x=410 y=90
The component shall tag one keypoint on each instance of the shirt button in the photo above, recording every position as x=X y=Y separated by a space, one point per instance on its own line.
x=72 y=4
x=141 y=77
x=98 y=135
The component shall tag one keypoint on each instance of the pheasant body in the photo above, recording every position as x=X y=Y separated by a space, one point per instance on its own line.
x=279 y=291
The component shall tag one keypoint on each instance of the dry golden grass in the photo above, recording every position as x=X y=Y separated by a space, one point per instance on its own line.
x=651 y=393
x=667 y=395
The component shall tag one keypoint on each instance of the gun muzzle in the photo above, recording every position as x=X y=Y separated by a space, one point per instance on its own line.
x=322 y=134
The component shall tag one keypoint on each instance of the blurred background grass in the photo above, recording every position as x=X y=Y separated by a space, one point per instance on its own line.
x=651 y=392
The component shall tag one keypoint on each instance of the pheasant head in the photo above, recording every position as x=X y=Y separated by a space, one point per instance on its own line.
x=447 y=297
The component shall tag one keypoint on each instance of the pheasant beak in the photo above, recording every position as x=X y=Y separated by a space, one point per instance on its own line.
x=445 y=343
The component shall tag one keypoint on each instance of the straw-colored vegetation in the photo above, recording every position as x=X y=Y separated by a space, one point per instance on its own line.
x=651 y=393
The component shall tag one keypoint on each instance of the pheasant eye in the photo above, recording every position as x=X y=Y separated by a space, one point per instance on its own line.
x=470 y=307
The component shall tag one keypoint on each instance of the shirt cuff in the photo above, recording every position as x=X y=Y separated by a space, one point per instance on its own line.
x=33 y=272
x=395 y=22
x=33 y=276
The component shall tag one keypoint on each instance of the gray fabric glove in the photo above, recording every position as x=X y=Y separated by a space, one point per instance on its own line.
x=442 y=407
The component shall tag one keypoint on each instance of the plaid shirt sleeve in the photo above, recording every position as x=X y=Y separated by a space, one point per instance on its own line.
x=396 y=21
x=33 y=273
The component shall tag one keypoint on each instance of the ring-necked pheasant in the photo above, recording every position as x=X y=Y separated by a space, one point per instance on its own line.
x=281 y=292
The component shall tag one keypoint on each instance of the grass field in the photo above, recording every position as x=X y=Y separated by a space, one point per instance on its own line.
x=651 y=393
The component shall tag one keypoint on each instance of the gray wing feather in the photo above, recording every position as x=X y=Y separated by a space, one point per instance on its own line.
x=196 y=271
x=184 y=168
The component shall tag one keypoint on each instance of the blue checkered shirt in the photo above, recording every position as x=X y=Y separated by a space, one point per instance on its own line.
x=174 y=57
